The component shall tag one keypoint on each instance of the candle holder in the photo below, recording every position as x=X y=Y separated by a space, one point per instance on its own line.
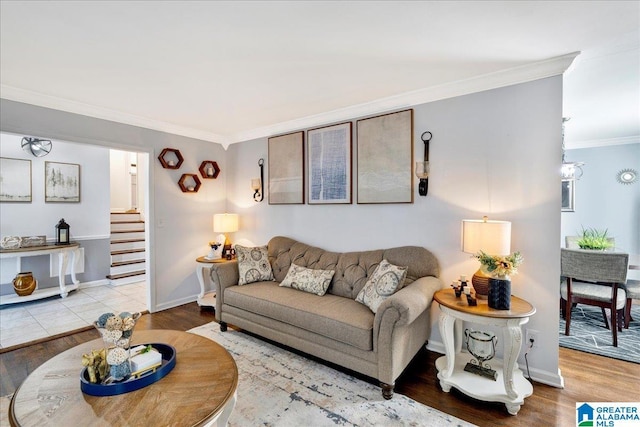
x=482 y=346
x=456 y=288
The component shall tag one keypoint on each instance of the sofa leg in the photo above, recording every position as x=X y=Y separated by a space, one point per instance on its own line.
x=387 y=390
x=223 y=326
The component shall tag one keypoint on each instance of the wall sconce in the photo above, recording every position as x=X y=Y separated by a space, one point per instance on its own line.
x=36 y=146
x=256 y=184
x=422 y=168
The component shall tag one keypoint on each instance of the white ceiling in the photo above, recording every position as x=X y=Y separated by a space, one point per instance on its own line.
x=232 y=71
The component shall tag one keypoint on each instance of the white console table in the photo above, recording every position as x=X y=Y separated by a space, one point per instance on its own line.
x=511 y=387
x=64 y=252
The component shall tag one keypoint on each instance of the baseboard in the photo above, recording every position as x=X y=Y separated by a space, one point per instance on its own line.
x=93 y=284
x=174 y=303
x=537 y=375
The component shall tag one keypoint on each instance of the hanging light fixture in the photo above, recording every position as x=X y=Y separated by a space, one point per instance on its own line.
x=570 y=170
x=36 y=146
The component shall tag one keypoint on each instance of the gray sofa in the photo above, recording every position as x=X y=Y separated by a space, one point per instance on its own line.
x=335 y=327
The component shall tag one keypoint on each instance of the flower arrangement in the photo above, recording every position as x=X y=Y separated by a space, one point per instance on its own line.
x=500 y=266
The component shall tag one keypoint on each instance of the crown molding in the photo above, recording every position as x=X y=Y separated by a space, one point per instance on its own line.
x=594 y=143
x=29 y=97
x=511 y=76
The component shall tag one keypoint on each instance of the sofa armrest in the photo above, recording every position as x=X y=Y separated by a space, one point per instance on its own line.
x=401 y=326
x=224 y=275
x=403 y=307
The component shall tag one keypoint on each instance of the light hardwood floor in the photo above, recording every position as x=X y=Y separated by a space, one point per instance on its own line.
x=588 y=378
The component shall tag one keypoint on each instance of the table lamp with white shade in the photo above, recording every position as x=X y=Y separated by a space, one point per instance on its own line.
x=225 y=223
x=491 y=237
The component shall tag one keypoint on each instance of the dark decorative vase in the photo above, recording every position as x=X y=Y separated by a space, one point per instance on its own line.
x=499 y=293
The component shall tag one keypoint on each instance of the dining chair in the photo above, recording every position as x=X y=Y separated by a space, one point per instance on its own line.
x=594 y=278
x=632 y=288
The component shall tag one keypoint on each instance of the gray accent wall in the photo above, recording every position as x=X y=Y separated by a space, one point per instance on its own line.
x=602 y=202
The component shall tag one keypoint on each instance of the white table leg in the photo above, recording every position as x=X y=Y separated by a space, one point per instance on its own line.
x=226 y=412
x=512 y=335
x=200 y=275
x=63 y=260
x=75 y=258
x=446 y=324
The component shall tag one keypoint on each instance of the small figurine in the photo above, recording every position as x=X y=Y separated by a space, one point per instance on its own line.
x=456 y=288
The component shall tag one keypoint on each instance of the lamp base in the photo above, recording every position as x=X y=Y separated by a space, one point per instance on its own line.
x=480 y=282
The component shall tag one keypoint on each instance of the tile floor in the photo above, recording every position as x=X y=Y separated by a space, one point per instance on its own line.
x=29 y=321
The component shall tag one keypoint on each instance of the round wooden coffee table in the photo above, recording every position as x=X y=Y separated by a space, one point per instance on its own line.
x=200 y=390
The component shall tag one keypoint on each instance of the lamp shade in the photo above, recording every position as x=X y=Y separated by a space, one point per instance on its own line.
x=225 y=223
x=492 y=237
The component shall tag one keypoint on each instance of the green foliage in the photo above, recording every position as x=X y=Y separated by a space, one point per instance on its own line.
x=594 y=239
x=500 y=266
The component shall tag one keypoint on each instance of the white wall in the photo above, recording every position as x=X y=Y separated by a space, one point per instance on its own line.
x=494 y=153
x=120 y=181
x=88 y=219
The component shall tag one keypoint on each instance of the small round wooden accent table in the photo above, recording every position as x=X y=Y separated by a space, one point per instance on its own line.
x=511 y=387
x=200 y=390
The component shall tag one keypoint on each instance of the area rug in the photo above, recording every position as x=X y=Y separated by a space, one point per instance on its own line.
x=279 y=388
x=589 y=334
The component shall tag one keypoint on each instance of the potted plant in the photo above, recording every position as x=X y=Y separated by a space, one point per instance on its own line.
x=594 y=239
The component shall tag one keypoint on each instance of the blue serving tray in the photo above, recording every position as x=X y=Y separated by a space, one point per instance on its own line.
x=132 y=384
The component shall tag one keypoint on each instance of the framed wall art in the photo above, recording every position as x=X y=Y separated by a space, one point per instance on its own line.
x=329 y=163
x=286 y=169
x=385 y=158
x=61 y=182
x=15 y=180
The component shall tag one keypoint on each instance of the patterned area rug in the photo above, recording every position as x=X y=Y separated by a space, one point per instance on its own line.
x=280 y=388
x=589 y=334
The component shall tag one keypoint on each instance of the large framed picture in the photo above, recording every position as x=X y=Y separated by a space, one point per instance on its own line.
x=61 y=182
x=286 y=169
x=15 y=180
x=568 y=195
x=329 y=163
x=385 y=158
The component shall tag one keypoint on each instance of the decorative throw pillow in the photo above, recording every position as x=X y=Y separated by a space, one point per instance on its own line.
x=253 y=264
x=308 y=280
x=384 y=282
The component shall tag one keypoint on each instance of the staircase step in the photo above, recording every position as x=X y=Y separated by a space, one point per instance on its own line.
x=126 y=278
x=128 y=262
x=129 y=221
x=124 y=216
x=127 y=226
x=123 y=275
x=118 y=241
x=126 y=251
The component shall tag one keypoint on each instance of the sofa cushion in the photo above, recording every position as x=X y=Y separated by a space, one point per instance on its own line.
x=384 y=282
x=307 y=279
x=334 y=317
x=253 y=264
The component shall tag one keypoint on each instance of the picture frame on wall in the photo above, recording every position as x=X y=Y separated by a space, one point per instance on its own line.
x=61 y=182
x=15 y=180
x=329 y=161
x=385 y=158
x=568 y=195
x=286 y=169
